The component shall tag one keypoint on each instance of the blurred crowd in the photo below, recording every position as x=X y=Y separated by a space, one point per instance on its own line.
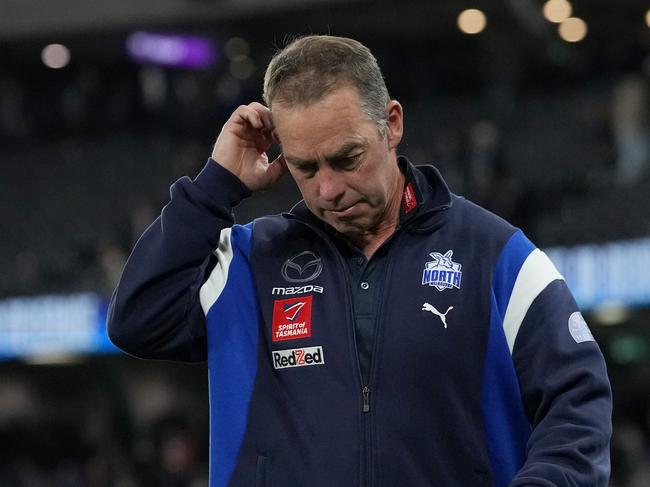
x=106 y=423
x=564 y=166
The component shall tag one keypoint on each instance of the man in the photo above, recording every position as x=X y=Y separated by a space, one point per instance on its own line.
x=385 y=332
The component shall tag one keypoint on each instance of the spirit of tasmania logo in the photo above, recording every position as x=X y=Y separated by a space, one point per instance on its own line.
x=442 y=272
x=291 y=318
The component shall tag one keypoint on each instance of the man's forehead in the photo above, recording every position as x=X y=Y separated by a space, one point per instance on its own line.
x=343 y=100
x=324 y=129
x=341 y=150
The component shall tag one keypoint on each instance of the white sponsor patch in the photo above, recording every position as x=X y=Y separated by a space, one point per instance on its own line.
x=579 y=329
x=298 y=357
x=297 y=290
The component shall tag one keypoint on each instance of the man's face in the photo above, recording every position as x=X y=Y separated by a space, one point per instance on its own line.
x=345 y=169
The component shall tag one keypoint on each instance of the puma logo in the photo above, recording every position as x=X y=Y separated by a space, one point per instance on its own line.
x=442 y=316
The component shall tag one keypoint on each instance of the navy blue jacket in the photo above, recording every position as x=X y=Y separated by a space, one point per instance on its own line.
x=483 y=371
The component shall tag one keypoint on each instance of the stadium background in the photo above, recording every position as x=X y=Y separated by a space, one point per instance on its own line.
x=104 y=104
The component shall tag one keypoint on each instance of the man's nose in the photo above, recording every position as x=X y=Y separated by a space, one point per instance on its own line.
x=331 y=185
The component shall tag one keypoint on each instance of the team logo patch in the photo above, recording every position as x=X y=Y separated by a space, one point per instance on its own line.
x=291 y=318
x=298 y=357
x=579 y=329
x=442 y=272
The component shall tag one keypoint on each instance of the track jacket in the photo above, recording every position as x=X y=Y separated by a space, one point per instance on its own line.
x=483 y=371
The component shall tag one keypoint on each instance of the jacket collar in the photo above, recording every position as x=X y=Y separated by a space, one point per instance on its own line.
x=425 y=200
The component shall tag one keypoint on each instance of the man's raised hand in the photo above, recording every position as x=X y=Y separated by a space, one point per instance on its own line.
x=242 y=144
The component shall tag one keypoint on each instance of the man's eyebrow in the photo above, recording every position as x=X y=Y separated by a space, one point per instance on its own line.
x=341 y=153
x=294 y=161
x=345 y=151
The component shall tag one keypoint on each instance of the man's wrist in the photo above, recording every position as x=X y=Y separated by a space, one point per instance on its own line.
x=221 y=184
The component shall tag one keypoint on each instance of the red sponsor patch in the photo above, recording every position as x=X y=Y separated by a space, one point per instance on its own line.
x=408 y=198
x=292 y=318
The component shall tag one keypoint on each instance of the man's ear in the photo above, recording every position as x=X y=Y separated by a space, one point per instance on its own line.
x=394 y=123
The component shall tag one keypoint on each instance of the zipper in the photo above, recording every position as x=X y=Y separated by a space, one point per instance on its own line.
x=365 y=392
x=375 y=344
x=365 y=388
x=364 y=469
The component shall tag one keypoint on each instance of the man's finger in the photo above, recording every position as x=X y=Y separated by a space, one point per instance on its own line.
x=264 y=114
x=250 y=116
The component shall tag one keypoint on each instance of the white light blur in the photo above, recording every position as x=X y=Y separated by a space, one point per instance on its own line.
x=228 y=90
x=236 y=48
x=472 y=21
x=153 y=87
x=50 y=359
x=647 y=18
x=55 y=56
x=611 y=314
x=573 y=29
x=557 y=11
x=242 y=68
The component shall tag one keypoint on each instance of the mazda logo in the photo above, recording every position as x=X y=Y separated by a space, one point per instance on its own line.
x=303 y=267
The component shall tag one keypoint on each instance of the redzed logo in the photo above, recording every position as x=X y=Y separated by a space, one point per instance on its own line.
x=298 y=357
x=291 y=318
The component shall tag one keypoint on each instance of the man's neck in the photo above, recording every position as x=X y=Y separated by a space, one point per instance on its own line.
x=368 y=243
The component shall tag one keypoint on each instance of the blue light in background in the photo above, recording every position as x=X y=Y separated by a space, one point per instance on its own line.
x=599 y=274
x=54 y=325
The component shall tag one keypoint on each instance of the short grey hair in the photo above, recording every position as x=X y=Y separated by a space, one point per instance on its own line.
x=312 y=67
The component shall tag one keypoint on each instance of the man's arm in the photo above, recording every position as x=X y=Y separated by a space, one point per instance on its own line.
x=566 y=393
x=155 y=311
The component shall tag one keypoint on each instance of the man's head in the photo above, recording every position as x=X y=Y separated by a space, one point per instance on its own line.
x=312 y=67
x=338 y=141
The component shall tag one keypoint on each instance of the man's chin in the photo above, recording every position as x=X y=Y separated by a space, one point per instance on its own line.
x=349 y=228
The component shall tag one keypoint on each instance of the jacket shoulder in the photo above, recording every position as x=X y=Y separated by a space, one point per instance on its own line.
x=480 y=225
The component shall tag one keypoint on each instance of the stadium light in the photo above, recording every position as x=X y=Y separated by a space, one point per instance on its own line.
x=242 y=68
x=629 y=348
x=557 y=11
x=180 y=51
x=573 y=29
x=472 y=21
x=241 y=65
x=611 y=313
x=236 y=48
x=55 y=56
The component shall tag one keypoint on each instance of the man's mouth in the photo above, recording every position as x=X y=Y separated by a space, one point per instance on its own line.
x=344 y=211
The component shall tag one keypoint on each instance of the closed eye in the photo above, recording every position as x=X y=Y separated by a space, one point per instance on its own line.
x=347 y=163
x=307 y=170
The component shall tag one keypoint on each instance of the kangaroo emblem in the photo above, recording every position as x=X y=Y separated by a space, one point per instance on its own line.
x=442 y=316
x=443 y=260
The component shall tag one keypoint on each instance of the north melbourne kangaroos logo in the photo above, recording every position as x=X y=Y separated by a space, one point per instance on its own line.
x=442 y=272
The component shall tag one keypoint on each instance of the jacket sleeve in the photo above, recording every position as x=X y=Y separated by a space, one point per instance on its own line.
x=155 y=310
x=566 y=394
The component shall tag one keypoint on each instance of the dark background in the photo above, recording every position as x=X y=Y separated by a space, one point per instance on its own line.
x=540 y=131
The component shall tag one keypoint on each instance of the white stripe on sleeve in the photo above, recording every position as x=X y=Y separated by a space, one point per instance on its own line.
x=212 y=288
x=535 y=274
